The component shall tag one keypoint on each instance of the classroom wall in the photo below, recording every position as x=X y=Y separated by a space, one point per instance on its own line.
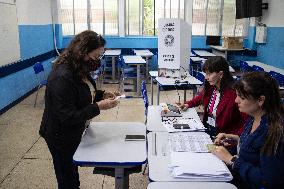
x=36 y=38
x=272 y=51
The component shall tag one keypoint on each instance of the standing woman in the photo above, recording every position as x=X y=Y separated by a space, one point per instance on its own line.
x=260 y=161
x=221 y=113
x=71 y=99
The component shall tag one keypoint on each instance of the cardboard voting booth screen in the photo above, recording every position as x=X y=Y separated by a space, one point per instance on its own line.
x=174 y=41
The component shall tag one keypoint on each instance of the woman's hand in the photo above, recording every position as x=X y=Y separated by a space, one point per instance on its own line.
x=107 y=104
x=219 y=139
x=223 y=154
x=226 y=139
x=184 y=107
x=109 y=95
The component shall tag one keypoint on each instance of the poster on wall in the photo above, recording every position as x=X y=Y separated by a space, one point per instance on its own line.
x=174 y=41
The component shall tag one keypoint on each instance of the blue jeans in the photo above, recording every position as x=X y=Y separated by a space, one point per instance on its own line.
x=65 y=170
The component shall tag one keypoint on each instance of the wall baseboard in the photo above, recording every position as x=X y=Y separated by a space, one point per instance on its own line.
x=6 y=108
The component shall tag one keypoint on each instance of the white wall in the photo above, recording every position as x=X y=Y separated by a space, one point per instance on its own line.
x=34 y=12
x=274 y=16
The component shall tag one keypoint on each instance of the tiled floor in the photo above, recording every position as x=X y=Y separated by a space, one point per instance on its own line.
x=25 y=161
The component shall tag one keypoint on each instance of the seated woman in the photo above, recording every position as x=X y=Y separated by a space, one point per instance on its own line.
x=221 y=113
x=260 y=159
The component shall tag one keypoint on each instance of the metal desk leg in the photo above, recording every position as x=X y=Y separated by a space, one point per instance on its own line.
x=121 y=179
x=138 y=81
x=147 y=69
x=152 y=91
x=158 y=94
x=184 y=96
x=113 y=68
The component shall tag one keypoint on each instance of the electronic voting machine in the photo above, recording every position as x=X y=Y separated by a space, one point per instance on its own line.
x=169 y=110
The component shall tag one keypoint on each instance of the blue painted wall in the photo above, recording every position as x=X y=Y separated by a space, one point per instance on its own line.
x=272 y=51
x=34 y=40
x=198 y=42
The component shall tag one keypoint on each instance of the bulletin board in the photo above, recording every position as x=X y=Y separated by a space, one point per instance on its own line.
x=9 y=34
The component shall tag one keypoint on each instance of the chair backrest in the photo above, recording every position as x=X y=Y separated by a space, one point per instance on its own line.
x=257 y=68
x=199 y=76
x=244 y=67
x=278 y=77
x=38 y=67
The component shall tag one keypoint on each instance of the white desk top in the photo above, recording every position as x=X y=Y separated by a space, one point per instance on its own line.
x=153 y=74
x=144 y=53
x=203 y=53
x=112 y=52
x=134 y=59
x=196 y=59
x=190 y=185
x=266 y=67
x=164 y=81
x=104 y=144
x=154 y=119
x=159 y=159
x=220 y=48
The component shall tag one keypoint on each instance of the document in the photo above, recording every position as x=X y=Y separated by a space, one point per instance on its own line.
x=198 y=165
x=189 y=142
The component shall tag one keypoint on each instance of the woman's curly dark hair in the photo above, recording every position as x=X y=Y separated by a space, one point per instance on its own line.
x=82 y=44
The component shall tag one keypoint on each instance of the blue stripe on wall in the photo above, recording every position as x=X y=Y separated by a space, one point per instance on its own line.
x=35 y=40
x=19 y=83
x=273 y=50
x=198 y=42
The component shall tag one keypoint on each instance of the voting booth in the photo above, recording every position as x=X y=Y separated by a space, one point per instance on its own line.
x=174 y=42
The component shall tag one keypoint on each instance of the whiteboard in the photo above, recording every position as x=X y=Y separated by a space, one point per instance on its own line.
x=9 y=34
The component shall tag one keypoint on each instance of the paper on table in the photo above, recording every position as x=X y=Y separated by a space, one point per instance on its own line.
x=186 y=164
x=194 y=124
x=189 y=142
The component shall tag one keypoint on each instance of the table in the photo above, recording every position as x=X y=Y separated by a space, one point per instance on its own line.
x=103 y=145
x=146 y=54
x=170 y=84
x=221 y=51
x=190 y=185
x=266 y=67
x=154 y=119
x=203 y=53
x=158 y=160
x=153 y=75
x=113 y=53
x=138 y=61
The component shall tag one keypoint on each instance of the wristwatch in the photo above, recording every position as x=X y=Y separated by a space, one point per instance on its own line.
x=233 y=159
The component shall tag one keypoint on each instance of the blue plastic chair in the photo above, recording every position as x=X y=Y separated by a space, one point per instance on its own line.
x=278 y=77
x=257 y=68
x=126 y=72
x=244 y=67
x=40 y=77
x=199 y=76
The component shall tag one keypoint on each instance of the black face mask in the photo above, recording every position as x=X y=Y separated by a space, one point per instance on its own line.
x=94 y=64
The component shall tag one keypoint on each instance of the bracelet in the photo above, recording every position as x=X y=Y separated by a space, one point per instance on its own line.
x=233 y=159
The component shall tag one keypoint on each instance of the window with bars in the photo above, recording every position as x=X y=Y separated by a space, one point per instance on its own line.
x=98 y=15
x=209 y=17
x=217 y=17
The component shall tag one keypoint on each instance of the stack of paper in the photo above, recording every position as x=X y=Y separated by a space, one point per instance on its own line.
x=194 y=124
x=189 y=142
x=198 y=166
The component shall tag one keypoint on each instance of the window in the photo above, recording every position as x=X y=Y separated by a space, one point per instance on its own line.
x=216 y=17
x=168 y=9
x=98 y=15
x=209 y=17
x=133 y=20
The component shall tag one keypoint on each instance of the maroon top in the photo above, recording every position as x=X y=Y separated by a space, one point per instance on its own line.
x=228 y=117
